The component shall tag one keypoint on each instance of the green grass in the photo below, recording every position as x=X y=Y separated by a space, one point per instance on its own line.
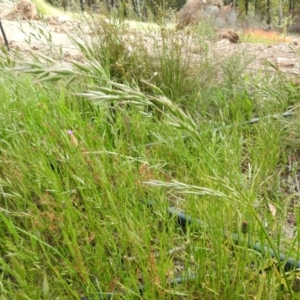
x=72 y=216
x=46 y=9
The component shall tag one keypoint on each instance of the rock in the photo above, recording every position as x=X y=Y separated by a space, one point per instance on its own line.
x=294 y=42
x=229 y=35
x=63 y=18
x=297 y=66
x=287 y=62
x=193 y=11
x=16 y=47
x=58 y=20
x=211 y=10
x=52 y=21
x=24 y=9
x=223 y=42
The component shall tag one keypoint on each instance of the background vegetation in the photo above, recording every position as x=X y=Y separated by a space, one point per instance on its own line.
x=276 y=13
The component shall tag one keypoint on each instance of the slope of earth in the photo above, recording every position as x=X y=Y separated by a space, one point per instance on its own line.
x=282 y=56
x=50 y=37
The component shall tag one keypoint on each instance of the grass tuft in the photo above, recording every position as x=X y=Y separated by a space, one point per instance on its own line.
x=85 y=148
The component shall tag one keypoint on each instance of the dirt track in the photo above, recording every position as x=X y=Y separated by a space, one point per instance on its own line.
x=50 y=38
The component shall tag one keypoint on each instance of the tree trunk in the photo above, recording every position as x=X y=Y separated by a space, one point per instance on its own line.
x=259 y=9
x=150 y=4
x=82 y=5
x=246 y=6
x=136 y=7
x=268 y=12
x=110 y=4
x=279 y=12
x=291 y=5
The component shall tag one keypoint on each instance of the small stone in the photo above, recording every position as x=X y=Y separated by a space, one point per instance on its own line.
x=223 y=42
x=63 y=18
x=230 y=35
x=286 y=62
x=297 y=66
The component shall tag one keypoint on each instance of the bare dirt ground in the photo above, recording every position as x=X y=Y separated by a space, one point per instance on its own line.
x=50 y=37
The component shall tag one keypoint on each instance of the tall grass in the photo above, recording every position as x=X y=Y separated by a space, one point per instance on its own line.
x=81 y=148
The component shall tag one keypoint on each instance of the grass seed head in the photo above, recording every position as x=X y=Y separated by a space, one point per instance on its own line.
x=73 y=139
x=245 y=227
x=296 y=285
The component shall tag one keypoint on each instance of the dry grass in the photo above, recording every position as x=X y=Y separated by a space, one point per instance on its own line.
x=266 y=37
